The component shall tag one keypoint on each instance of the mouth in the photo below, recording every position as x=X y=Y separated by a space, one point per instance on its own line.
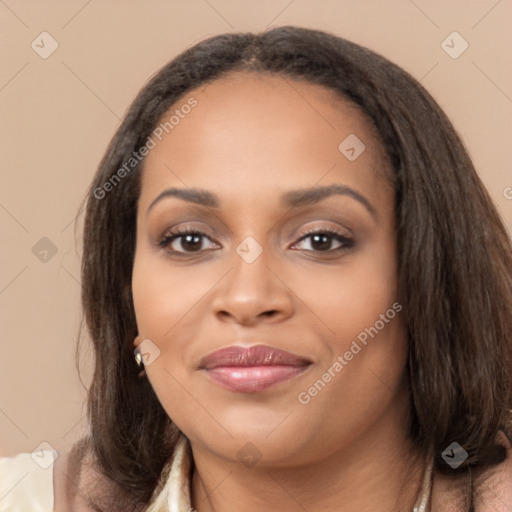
x=252 y=369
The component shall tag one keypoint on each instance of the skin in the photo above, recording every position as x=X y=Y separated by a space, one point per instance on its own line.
x=249 y=139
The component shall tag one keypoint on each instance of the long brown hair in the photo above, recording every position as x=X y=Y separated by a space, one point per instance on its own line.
x=455 y=257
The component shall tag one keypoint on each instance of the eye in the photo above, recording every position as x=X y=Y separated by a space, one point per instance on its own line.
x=188 y=240
x=321 y=240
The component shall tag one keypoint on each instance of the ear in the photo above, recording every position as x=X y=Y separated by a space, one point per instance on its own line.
x=136 y=341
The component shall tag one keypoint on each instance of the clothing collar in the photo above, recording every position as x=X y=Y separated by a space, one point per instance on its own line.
x=173 y=492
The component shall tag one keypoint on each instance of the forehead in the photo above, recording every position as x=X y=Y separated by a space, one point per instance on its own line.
x=253 y=131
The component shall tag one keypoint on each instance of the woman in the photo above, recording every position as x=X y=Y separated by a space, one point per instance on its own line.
x=288 y=231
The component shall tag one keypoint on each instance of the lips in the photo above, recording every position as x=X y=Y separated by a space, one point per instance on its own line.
x=252 y=369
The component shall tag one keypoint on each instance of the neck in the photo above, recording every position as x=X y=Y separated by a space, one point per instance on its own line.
x=378 y=471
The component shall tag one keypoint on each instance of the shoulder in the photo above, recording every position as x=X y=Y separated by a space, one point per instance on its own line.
x=47 y=481
x=496 y=489
x=493 y=488
x=82 y=487
x=75 y=480
x=26 y=481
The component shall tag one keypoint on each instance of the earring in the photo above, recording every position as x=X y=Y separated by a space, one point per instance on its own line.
x=140 y=363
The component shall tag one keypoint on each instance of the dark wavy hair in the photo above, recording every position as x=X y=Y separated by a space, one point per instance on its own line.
x=455 y=258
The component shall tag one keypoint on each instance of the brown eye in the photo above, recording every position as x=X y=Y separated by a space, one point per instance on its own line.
x=322 y=241
x=186 y=241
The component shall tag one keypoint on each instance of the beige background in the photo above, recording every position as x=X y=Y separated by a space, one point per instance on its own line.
x=58 y=114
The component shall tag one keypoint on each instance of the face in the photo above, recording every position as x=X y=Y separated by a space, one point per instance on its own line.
x=280 y=238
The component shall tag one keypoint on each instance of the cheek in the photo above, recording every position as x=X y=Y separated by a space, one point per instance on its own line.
x=165 y=295
x=171 y=308
x=364 y=334
x=349 y=297
x=363 y=375
x=164 y=300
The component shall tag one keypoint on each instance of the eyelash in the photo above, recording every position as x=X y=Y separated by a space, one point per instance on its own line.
x=346 y=242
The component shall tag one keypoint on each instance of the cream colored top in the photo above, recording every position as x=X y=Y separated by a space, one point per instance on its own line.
x=26 y=482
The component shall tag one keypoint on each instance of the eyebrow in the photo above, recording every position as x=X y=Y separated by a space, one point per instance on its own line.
x=292 y=198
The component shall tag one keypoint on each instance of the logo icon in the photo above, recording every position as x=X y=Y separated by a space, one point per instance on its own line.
x=454 y=45
x=249 y=454
x=44 y=45
x=44 y=455
x=148 y=351
x=249 y=249
x=351 y=147
x=44 y=249
x=454 y=455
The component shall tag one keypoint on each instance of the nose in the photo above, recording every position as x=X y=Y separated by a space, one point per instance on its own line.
x=253 y=293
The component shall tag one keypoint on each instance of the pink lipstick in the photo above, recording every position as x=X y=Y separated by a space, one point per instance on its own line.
x=252 y=369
